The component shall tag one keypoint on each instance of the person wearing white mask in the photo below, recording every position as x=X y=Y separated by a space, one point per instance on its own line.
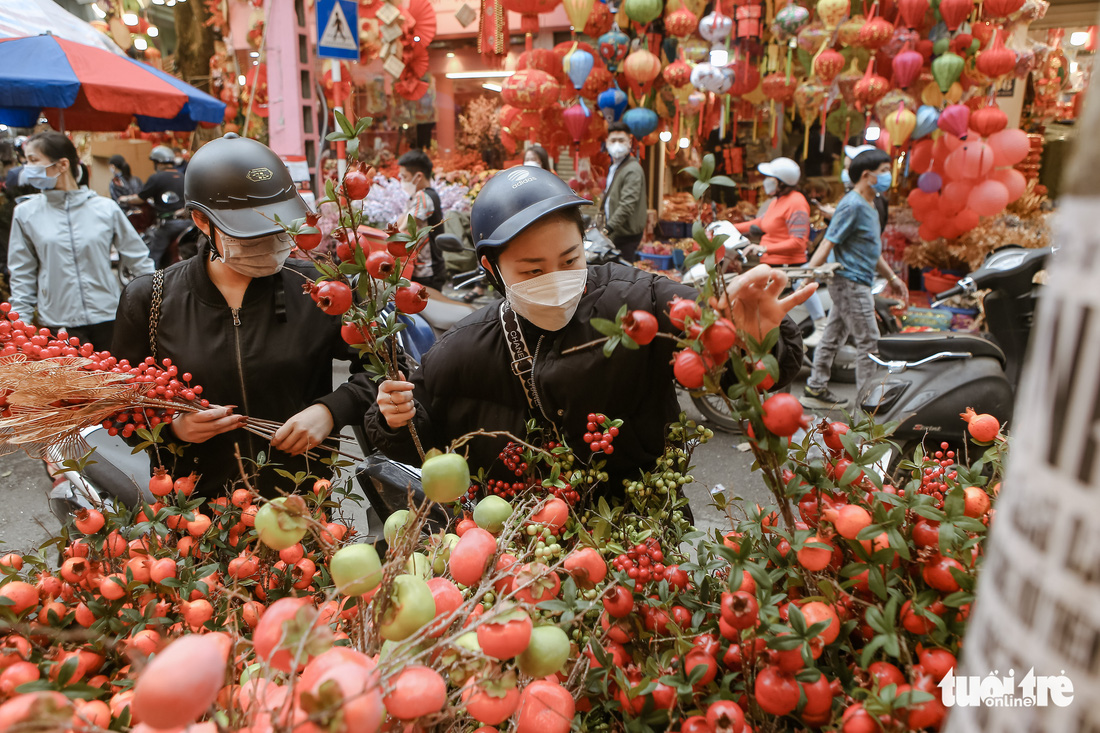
x=624 y=203
x=537 y=157
x=415 y=170
x=536 y=356
x=236 y=318
x=60 y=246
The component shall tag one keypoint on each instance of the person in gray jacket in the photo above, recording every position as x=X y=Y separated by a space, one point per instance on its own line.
x=624 y=203
x=60 y=246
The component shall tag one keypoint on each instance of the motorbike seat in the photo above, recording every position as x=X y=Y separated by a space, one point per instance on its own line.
x=917 y=346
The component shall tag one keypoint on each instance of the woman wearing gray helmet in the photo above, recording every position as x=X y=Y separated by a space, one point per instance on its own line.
x=237 y=319
x=515 y=361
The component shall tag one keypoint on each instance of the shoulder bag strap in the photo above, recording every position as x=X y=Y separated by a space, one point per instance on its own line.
x=154 y=311
x=522 y=365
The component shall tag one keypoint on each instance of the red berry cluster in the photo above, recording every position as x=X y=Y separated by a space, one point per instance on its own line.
x=38 y=344
x=642 y=563
x=601 y=433
x=937 y=470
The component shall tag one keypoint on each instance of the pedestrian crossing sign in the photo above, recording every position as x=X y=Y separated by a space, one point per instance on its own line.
x=338 y=29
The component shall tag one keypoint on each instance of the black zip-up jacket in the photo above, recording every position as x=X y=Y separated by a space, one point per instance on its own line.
x=466 y=383
x=271 y=358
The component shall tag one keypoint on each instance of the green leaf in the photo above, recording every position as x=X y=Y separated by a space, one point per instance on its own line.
x=344 y=124
x=606 y=327
x=691 y=171
x=869 y=651
x=699 y=189
x=707 y=169
x=723 y=181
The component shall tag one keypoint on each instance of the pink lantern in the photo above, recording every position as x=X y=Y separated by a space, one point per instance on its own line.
x=988 y=120
x=988 y=198
x=1013 y=181
x=954 y=120
x=907 y=66
x=1009 y=146
x=972 y=160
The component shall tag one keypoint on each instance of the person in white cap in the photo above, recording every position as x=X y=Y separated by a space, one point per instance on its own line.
x=783 y=221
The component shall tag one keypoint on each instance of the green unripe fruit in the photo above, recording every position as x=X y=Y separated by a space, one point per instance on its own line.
x=546 y=653
x=355 y=569
x=491 y=513
x=445 y=477
x=394 y=524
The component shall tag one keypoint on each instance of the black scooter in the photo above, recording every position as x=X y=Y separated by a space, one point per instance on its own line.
x=925 y=380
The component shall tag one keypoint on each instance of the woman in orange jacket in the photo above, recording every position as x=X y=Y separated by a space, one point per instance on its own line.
x=784 y=220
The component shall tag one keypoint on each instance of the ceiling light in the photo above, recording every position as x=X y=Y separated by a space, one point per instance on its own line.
x=130 y=18
x=152 y=31
x=719 y=57
x=684 y=142
x=1079 y=38
x=254 y=54
x=416 y=39
x=405 y=126
x=140 y=43
x=665 y=136
x=486 y=74
x=493 y=87
x=450 y=54
x=241 y=80
x=872 y=134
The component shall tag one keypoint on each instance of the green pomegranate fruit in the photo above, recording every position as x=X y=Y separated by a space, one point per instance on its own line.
x=491 y=513
x=355 y=569
x=445 y=477
x=546 y=653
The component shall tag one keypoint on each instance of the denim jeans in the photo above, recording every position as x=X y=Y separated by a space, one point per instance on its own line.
x=853 y=312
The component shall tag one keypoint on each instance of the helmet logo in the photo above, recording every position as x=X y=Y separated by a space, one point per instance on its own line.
x=259 y=174
x=520 y=177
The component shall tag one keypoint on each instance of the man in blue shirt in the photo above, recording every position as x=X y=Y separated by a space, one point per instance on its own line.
x=854 y=238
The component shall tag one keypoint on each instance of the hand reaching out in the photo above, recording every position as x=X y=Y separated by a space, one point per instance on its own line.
x=752 y=300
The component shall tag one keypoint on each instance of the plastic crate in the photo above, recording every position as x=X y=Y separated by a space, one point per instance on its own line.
x=935 y=318
x=678 y=257
x=661 y=262
x=674 y=229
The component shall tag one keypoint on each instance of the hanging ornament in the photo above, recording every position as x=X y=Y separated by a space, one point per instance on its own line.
x=599 y=22
x=997 y=61
x=597 y=81
x=709 y=78
x=677 y=74
x=900 y=125
x=578 y=65
x=847 y=80
x=848 y=31
x=643 y=12
x=828 y=64
x=746 y=78
x=695 y=50
x=576 y=122
x=832 y=12
x=579 y=11
x=955 y=120
x=789 y=21
x=892 y=100
x=1001 y=8
x=844 y=122
x=812 y=37
x=531 y=91
x=716 y=27
x=640 y=69
x=931 y=95
x=875 y=33
x=927 y=119
x=955 y=12
x=912 y=12
x=871 y=87
x=681 y=23
x=906 y=66
x=612 y=103
x=750 y=23
x=529 y=11
x=778 y=88
x=641 y=121
x=988 y=120
x=613 y=46
x=946 y=70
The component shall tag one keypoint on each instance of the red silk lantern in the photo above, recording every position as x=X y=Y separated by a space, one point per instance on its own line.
x=576 y=121
x=599 y=21
x=954 y=12
x=677 y=74
x=530 y=90
x=543 y=59
x=996 y=61
x=640 y=68
x=871 y=87
x=983 y=31
x=1001 y=8
x=907 y=66
x=875 y=33
x=988 y=120
x=746 y=77
x=529 y=11
x=828 y=64
x=954 y=120
x=680 y=23
x=912 y=12
x=921 y=158
x=778 y=88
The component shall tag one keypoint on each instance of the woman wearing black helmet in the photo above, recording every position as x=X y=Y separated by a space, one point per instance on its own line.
x=237 y=319
x=512 y=362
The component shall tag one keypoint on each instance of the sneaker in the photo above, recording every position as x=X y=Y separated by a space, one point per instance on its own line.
x=823 y=399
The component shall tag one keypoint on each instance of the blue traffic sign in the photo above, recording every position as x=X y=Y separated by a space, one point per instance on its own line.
x=338 y=29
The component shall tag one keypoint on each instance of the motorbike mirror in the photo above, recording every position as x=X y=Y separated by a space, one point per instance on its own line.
x=449 y=243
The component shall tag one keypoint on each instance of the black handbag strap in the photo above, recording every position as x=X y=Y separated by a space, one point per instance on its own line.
x=154 y=311
x=523 y=365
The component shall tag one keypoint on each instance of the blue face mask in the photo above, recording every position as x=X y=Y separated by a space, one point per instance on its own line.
x=845 y=178
x=35 y=175
x=882 y=183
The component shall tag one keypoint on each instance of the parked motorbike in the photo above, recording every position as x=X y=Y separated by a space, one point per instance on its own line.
x=925 y=380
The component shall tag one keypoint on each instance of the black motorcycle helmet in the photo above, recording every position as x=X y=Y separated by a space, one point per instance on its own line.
x=242 y=185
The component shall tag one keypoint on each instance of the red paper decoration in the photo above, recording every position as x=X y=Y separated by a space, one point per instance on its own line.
x=530 y=90
x=876 y=33
x=906 y=66
x=680 y=23
x=529 y=11
x=778 y=88
x=954 y=12
x=912 y=12
x=599 y=22
x=988 y=120
x=828 y=64
x=1001 y=8
x=871 y=88
x=746 y=77
x=677 y=74
x=996 y=61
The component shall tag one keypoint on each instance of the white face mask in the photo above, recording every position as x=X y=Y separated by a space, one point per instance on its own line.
x=770 y=185
x=618 y=150
x=548 y=301
x=533 y=163
x=256 y=257
x=409 y=187
x=35 y=175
